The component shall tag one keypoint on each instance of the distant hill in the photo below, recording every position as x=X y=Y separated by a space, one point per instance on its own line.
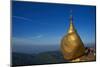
x=20 y=59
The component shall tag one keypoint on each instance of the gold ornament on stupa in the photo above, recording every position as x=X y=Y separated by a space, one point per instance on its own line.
x=72 y=46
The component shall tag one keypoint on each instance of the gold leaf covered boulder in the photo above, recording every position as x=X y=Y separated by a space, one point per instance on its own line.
x=71 y=45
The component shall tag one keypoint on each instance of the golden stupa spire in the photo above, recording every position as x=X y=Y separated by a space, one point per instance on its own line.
x=71 y=27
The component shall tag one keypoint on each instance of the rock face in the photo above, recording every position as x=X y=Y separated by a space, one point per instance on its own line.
x=71 y=44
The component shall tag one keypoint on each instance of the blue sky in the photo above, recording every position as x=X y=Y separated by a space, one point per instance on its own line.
x=46 y=24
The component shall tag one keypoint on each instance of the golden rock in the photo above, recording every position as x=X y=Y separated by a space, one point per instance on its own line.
x=72 y=46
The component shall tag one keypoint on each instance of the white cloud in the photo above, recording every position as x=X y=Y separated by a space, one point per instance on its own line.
x=23 y=18
x=27 y=40
x=37 y=40
x=30 y=20
x=36 y=37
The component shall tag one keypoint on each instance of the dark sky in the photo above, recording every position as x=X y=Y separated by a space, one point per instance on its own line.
x=45 y=24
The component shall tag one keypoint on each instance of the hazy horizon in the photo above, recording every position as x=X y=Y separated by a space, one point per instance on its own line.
x=35 y=49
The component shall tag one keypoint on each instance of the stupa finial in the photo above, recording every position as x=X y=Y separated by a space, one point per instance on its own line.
x=71 y=28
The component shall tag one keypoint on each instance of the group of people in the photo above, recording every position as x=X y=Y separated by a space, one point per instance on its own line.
x=90 y=51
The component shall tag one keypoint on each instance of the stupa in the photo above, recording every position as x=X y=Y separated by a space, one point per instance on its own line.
x=72 y=46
